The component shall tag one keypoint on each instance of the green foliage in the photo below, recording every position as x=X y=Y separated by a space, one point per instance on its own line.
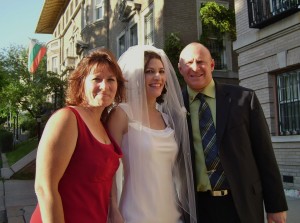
x=6 y=141
x=29 y=124
x=217 y=20
x=173 y=47
x=23 y=91
x=2 y=120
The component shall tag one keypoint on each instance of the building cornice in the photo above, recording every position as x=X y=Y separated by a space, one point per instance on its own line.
x=50 y=15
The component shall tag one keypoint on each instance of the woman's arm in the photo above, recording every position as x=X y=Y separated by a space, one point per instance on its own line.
x=53 y=156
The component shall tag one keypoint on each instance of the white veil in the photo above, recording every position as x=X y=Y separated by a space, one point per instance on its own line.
x=132 y=66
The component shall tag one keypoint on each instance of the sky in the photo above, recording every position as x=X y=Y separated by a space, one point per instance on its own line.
x=18 y=21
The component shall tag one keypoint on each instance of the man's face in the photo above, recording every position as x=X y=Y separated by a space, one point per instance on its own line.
x=196 y=66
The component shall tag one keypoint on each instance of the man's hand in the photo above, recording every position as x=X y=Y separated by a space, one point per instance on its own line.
x=279 y=217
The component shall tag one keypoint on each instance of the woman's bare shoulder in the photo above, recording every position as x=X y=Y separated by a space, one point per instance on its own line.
x=63 y=116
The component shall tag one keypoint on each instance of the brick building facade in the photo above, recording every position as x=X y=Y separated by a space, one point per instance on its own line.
x=268 y=47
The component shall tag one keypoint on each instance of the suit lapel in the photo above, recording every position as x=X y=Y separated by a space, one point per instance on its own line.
x=223 y=101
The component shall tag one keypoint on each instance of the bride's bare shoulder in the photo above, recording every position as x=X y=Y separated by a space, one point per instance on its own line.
x=117 y=119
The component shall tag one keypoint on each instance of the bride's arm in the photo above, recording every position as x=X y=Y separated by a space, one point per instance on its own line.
x=117 y=125
x=114 y=212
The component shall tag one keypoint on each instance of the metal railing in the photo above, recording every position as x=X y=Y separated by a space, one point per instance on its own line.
x=265 y=12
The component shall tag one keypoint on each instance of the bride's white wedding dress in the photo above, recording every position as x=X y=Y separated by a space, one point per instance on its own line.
x=148 y=194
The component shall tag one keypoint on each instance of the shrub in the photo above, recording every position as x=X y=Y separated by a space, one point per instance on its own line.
x=6 y=141
x=173 y=47
x=31 y=126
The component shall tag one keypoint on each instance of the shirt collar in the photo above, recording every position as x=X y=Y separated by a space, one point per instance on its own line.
x=208 y=91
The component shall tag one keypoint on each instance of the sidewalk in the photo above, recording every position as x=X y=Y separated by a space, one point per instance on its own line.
x=17 y=197
x=293 y=215
x=19 y=200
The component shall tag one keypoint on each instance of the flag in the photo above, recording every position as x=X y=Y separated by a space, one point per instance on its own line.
x=35 y=55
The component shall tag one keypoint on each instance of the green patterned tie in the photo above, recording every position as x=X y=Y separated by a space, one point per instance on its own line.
x=209 y=141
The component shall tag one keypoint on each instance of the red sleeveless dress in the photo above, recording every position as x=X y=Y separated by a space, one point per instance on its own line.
x=86 y=184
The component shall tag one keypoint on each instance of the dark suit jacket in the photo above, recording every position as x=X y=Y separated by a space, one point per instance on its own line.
x=246 y=153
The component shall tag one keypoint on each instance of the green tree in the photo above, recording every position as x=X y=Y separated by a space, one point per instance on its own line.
x=218 y=23
x=173 y=47
x=217 y=20
x=23 y=91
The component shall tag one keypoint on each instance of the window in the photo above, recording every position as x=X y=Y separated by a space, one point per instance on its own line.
x=278 y=6
x=127 y=38
x=54 y=64
x=121 y=45
x=217 y=50
x=288 y=95
x=133 y=35
x=149 y=28
x=219 y=45
x=99 y=9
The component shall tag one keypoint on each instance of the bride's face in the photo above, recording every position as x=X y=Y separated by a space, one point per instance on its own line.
x=155 y=78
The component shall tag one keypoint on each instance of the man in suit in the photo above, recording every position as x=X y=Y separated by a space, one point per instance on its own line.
x=249 y=178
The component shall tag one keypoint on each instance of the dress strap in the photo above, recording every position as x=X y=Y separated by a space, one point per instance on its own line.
x=74 y=111
x=165 y=118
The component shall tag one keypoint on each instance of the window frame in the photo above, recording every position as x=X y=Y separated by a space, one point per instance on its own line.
x=128 y=36
x=131 y=37
x=149 y=11
x=119 y=50
x=288 y=102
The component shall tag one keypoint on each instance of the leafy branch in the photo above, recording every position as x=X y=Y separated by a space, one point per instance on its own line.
x=217 y=20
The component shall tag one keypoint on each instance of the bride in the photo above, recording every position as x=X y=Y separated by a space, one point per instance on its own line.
x=152 y=131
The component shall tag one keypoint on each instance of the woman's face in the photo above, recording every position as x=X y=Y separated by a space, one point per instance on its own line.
x=155 y=78
x=100 y=86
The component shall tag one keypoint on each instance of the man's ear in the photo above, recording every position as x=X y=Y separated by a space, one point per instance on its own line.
x=179 y=67
x=212 y=64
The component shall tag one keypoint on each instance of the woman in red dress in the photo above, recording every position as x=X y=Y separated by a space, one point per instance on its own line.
x=77 y=159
